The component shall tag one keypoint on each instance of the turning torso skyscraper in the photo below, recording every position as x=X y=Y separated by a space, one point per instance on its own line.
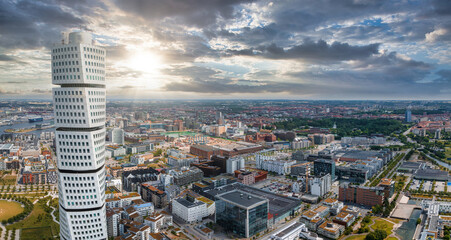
x=78 y=67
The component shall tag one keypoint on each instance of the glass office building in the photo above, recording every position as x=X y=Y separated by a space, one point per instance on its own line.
x=242 y=213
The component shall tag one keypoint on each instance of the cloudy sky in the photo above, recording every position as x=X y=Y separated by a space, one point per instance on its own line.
x=226 y=49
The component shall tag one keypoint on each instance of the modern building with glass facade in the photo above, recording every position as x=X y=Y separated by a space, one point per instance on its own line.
x=324 y=166
x=78 y=67
x=242 y=213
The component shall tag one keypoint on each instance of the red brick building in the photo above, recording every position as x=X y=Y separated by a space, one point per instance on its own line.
x=368 y=196
x=202 y=151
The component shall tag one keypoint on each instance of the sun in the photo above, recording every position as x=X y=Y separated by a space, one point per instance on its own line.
x=146 y=62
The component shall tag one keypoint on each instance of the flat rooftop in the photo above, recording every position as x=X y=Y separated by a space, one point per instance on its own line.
x=278 y=205
x=287 y=231
x=432 y=174
x=242 y=198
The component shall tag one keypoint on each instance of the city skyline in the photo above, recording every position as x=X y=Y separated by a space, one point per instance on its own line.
x=343 y=50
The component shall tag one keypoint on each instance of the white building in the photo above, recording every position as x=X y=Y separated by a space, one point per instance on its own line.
x=296 y=187
x=270 y=164
x=319 y=186
x=290 y=232
x=115 y=183
x=300 y=143
x=116 y=136
x=180 y=159
x=114 y=151
x=157 y=221
x=188 y=211
x=113 y=216
x=78 y=66
x=234 y=164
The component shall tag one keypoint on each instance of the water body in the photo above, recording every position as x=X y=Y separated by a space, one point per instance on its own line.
x=28 y=125
x=407 y=229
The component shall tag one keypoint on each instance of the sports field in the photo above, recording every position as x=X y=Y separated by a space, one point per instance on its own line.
x=9 y=209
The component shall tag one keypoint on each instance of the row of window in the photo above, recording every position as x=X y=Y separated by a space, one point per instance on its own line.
x=66 y=99
x=96 y=93
x=69 y=114
x=94 y=64
x=64 y=49
x=96 y=99
x=78 y=179
x=93 y=70
x=87 y=216
x=74 y=77
x=65 y=63
x=77 y=185
x=96 y=114
x=95 y=236
x=59 y=92
x=84 y=203
x=65 y=70
x=69 y=77
x=93 y=50
x=98 y=78
x=78 y=197
x=96 y=106
x=71 y=121
x=69 y=107
x=91 y=56
x=64 y=56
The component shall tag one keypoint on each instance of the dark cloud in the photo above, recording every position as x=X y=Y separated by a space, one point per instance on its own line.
x=189 y=12
x=29 y=24
x=312 y=51
x=444 y=77
x=193 y=71
x=6 y=58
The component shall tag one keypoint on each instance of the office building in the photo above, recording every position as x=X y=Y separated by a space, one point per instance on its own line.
x=78 y=66
x=279 y=207
x=319 y=186
x=177 y=158
x=408 y=117
x=274 y=163
x=368 y=196
x=189 y=211
x=235 y=163
x=242 y=213
x=324 y=166
x=186 y=175
x=116 y=136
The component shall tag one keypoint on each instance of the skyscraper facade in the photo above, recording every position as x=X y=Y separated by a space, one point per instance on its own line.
x=408 y=117
x=78 y=67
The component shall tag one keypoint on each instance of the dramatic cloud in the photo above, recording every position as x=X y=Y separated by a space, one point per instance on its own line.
x=313 y=51
x=317 y=49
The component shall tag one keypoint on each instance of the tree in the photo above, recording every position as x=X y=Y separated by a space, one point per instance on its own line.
x=418 y=221
x=376 y=235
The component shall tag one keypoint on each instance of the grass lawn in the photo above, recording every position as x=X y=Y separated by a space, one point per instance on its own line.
x=9 y=209
x=448 y=152
x=33 y=233
x=38 y=219
x=8 y=180
x=392 y=238
x=382 y=225
x=356 y=237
